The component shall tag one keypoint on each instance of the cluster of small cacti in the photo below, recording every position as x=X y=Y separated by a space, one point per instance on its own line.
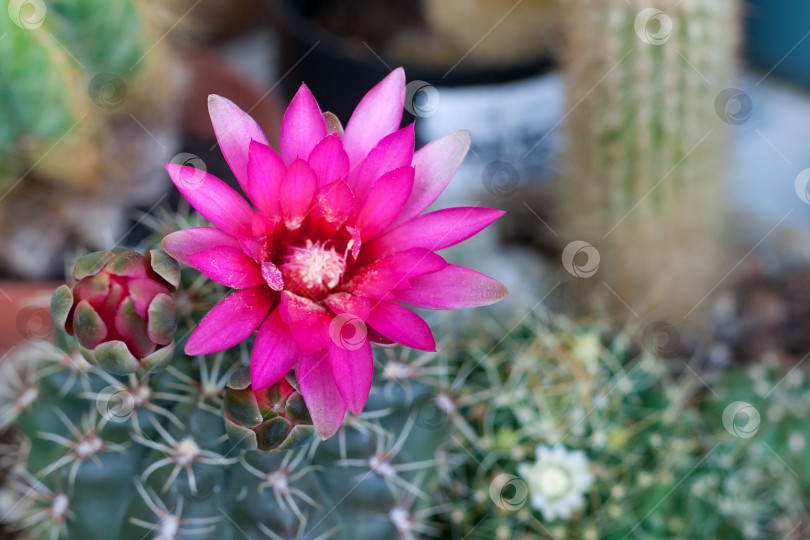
x=644 y=169
x=449 y=445
x=654 y=449
x=69 y=147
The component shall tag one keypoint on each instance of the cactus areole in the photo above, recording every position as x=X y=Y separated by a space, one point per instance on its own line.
x=331 y=244
x=121 y=310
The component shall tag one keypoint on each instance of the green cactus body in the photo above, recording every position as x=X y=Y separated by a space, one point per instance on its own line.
x=644 y=167
x=171 y=452
x=150 y=453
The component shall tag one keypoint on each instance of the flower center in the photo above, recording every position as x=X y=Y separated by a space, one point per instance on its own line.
x=554 y=481
x=312 y=270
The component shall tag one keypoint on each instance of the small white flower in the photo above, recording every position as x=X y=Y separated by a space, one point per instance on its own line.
x=796 y=442
x=558 y=481
x=587 y=350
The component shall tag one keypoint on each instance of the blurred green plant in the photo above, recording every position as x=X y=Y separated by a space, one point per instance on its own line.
x=51 y=73
x=87 y=99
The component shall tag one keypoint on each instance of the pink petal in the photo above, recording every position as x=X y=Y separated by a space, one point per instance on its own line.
x=353 y=370
x=234 y=129
x=333 y=206
x=434 y=231
x=231 y=321
x=132 y=330
x=142 y=291
x=263 y=225
x=435 y=165
x=308 y=322
x=320 y=393
x=296 y=193
x=297 y=309
x=110 y=306
x=252 y=247
x=377 y=338
x=378 y=114
x=94 y=289
x=328 y=160
x=265 y=171
x=181 y=244
x=402 y=325
x=303 y=126
x=274 y=352
x=392 y=152
x=213 y=198
x=229 y=266
x=454 y=287
x=384 y=202
x=272 y=276
x=380 y=278
x=311 y=337
x=344 y=302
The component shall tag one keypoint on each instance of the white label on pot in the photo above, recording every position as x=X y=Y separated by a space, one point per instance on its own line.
x=516 y=131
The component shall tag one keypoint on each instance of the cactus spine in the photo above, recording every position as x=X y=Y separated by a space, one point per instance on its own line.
x=644 y=168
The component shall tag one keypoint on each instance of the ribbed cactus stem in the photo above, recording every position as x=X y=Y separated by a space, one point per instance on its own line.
x=644 y=167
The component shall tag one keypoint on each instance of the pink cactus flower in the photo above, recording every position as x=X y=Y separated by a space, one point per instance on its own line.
x=333 y=245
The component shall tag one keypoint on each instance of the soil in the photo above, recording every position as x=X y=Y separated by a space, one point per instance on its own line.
x=769 y=314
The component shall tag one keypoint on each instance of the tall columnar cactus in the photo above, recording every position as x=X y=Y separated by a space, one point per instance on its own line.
x=644 y=167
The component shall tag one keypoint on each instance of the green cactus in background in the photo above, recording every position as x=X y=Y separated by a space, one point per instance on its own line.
x=665 y=457
x=52 y=77
x=643 y=171
x=77 y=77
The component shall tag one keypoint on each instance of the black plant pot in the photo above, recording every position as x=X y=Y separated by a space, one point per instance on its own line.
x=340 y=71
